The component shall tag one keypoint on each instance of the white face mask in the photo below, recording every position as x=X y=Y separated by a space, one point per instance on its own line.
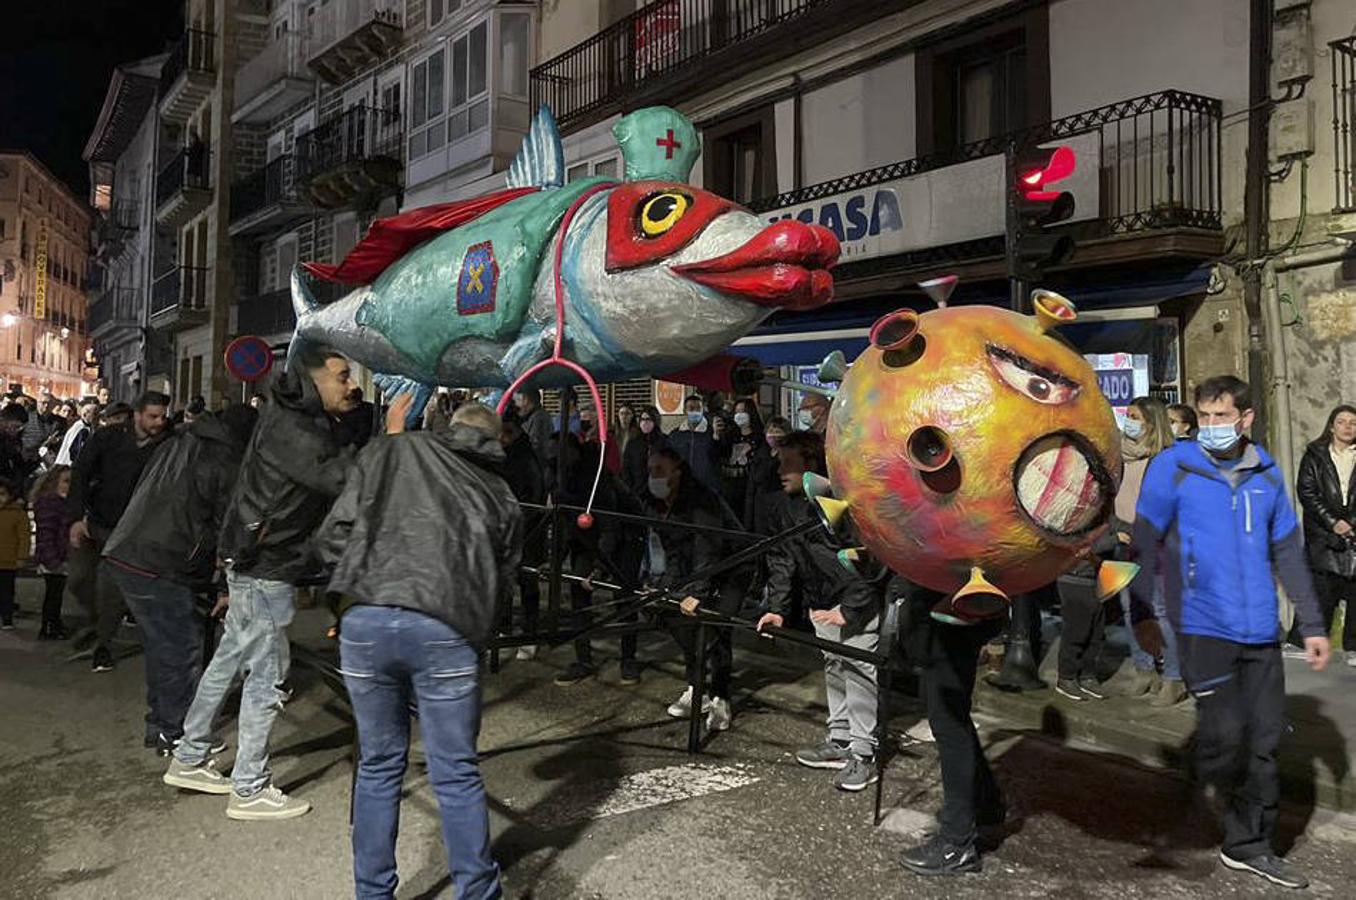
x=742 y=419
x=695 y=418
x=1133 y=428
x=806 y=418
x=659 y=488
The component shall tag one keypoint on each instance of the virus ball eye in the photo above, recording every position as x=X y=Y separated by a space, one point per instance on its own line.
x=1035 y=381
x=661 y=212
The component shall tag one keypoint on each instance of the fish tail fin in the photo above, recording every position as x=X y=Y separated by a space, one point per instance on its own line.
x=304 y=305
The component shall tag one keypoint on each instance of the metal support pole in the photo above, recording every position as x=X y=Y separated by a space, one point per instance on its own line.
x=694 y=722
x=882 y=732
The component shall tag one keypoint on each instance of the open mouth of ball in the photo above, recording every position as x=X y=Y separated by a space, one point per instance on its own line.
x=1062 y=485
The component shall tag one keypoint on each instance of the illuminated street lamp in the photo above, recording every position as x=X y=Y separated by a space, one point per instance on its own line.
x=7 y=320
x=65 y=333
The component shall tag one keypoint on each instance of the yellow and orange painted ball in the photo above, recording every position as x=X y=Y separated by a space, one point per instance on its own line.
x=974 y=438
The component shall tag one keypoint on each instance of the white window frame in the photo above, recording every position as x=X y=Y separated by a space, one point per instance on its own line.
x=396 y=78
x=497 y=42
x=422 y=121
x=447 y=10
x=591 y=165
x=470 y=101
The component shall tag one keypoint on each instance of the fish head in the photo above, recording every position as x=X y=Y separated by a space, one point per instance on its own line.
x=712 y=242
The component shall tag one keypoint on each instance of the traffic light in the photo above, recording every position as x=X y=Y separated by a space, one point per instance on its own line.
x=1034 y=206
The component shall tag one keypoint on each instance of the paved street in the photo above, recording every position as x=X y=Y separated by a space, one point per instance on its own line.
x=592 y=796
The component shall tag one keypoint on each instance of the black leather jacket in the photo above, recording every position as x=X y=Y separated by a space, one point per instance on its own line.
x=170 y=526
x=1320 y=496
x=292 y=472
x=810 y=560
x=427 y=523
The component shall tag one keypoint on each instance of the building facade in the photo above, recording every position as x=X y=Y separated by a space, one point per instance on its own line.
x=44 y=261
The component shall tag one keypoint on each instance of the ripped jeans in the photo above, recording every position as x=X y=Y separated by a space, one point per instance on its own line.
x=394 y=660
x=254 y=646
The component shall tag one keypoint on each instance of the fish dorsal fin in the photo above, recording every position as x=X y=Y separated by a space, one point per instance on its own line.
x=541 y=162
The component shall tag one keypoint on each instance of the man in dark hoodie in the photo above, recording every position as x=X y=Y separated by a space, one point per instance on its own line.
x=292 y=471
x=415 y=632
x=102 y=482
x=164 y=551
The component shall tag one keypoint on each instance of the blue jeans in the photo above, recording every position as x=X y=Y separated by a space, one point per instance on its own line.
x=1140 y=657
x=1172 y=667
x=254 y=644
x=390 y=657
x=172 y=633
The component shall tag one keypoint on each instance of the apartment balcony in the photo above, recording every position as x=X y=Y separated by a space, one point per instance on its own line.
x=1147 y=187
x=113 y=310
x=183 y=187
x=671 y=49
x=1343 y=56
x=116 y=227
x=268 y=199
x=272 y=82
x=188 y=76
x=179 y=298
x=268 y=315
x=352 y=159
x=344 y=37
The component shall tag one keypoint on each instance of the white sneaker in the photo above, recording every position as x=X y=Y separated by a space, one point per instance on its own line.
x=682 y=707
x=270 y=803
x=718 y=715
x=1351 y=658
x=526 y=651
x=205 y=779
x=921 y=733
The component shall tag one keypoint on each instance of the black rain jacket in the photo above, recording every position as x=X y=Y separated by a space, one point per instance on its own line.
x=811 y=561
x=170 y=527
x=1320 y=495
x=427 y=523
x=292 y=472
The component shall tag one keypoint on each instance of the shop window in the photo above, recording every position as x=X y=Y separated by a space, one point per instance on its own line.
x=740 y=158
x=985 y=84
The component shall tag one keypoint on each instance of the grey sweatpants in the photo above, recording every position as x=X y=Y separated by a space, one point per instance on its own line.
x=851 y=686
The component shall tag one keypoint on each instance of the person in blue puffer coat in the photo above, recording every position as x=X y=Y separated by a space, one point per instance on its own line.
x=1218 y=510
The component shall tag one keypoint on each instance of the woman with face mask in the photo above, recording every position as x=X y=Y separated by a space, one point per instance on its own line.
x=648 y=438
x=1183 y=419
x=737 y=448
x=1148 y=431
x=1327 y=493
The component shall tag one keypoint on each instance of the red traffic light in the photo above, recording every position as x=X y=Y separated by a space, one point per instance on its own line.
x=1043 y=168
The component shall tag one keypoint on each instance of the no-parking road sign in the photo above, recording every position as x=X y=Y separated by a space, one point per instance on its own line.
x=249 y=358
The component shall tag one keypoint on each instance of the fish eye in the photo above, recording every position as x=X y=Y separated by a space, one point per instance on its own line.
x=661 y=212
x=1041 y=384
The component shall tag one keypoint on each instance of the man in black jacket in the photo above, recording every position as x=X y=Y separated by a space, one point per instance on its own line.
x=523 y=472
x=292 y=471
x=425 y=543
x=164 y=551
x=102 y=482
x=843 y=607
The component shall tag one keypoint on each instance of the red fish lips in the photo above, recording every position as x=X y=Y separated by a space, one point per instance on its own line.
x=785 y=265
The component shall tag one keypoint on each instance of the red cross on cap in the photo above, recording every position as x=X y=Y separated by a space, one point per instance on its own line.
x=669 y=144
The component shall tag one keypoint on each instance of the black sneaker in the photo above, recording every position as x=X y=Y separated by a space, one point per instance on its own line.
x=859 y=774
x=1091 y=688
x=52 y=631
x=630 y=672
x=103 y=660
x=7 y=623
x=1272 y=868
x=1070 y=689
x=575 y=673
x=940 y=857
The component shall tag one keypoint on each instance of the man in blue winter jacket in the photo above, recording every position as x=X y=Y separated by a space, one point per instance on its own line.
x=1214 y=516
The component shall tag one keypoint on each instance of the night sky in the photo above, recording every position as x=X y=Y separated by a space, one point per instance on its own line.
x=56 y=57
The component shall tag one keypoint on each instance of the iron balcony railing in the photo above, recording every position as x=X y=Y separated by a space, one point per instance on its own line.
x=265 y=314
x=360 y=133
x=187 y=169
x=275 y=183
x=280 y=59
x=194 y=53
x=1344 y=122
x=117 y=304
x=183 y=287
x=337 y=19
x=653 y=43
x=121 y=218
x=1160 y=163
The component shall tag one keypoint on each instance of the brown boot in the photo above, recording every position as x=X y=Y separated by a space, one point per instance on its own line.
x=1171 y=693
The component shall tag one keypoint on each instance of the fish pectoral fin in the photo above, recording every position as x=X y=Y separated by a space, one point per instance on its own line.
x=392 y=386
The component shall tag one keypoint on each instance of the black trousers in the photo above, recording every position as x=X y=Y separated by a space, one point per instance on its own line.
x=7 y=594
x=719 y=640
x=1084 y=631
x=1240 y=706
x=52 y=598
x=949 y=662
x=1332 y=590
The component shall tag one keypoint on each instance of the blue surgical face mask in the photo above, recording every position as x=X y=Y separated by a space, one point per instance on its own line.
x=806 y=418
x=1218 y=438
x=742 y=419
x=659 y=488
x=1133 y=428
x=695 y=418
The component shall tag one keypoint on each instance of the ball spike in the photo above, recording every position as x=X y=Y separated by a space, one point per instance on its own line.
x=1052 y=309
x=816 y=485
x=979 y=599
x=833 y=369
x=831 y=512
x=939 y=289
x=1114 y=577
